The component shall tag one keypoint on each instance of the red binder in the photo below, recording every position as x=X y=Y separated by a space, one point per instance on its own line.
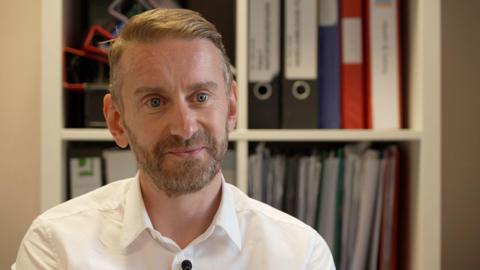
x=387 y=259
x=352 y=68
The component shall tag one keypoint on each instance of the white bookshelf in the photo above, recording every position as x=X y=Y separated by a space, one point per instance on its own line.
x=421 y=139
x=287 y=135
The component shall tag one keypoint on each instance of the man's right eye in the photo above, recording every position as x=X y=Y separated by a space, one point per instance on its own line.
x=154 y=102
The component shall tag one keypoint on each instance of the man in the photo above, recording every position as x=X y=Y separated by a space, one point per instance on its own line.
x=173 y=101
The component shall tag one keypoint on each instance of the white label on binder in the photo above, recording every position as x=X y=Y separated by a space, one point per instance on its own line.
x=352 y=40
x=384 y=54
x=264 y=40
x=328 y=11
x=301 y=39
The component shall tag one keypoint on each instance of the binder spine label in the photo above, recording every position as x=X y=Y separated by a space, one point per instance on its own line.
x=264 y=40
x=384 y=64
x=301 y=39
x=352 y=41
x=328 y=10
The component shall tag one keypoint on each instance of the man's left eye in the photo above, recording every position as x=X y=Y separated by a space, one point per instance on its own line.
x=154 y=102
x=202 y=97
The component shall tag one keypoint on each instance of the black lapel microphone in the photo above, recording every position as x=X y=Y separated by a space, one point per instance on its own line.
x=187 y=265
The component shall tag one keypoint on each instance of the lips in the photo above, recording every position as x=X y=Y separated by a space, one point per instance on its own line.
x=186 y=152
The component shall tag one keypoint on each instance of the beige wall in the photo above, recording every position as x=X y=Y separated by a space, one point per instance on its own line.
x=19 y=122
x=461 y=134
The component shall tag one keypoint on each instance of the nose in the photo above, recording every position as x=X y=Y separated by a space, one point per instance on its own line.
x=183 y=122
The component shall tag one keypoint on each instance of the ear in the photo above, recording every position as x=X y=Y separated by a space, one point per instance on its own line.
x=232 y=106
x=113 y=119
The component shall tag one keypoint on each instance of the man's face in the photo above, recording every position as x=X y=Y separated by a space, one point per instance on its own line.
x=176 y=111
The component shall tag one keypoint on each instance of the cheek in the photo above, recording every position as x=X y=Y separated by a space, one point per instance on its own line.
x=139 y=133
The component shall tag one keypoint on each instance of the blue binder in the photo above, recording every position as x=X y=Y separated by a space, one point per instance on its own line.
x=328 y=82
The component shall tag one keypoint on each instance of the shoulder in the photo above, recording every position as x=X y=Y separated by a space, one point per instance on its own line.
x=55 y=231
x=270 y=230
x=105 y=198
x=265 y=216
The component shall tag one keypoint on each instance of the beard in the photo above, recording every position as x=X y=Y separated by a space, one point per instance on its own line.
x=182 y=176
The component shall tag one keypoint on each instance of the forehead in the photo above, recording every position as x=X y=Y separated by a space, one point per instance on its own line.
x=170 y=53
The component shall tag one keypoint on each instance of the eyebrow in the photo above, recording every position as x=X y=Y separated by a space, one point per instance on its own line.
x=203 y=85
x=143 y=90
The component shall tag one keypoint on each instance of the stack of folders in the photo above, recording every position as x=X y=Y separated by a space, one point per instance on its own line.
x=92 y=167
x=349 y=194
x=324 y=64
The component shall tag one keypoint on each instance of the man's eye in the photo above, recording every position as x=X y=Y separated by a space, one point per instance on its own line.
x=154 y=102
x=202 y=97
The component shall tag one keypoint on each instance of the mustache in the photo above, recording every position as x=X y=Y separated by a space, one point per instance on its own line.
x=200 y=138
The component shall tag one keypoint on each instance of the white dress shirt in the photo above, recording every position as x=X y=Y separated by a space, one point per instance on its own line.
x=109 y=228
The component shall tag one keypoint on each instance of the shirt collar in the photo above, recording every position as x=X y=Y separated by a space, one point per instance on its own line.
x=226 y=216
x=136 y=218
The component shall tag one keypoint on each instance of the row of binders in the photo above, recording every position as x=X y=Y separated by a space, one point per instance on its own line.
x=92 y=167
x=349 y=195
x=324 y=64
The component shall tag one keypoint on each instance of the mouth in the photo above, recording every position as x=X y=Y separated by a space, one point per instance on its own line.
x=189 y=152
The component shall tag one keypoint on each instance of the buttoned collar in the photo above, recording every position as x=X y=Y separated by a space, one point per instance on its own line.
x=135 y=216
x=136 y=219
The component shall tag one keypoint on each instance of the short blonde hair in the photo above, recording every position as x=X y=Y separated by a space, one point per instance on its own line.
x=152 y=25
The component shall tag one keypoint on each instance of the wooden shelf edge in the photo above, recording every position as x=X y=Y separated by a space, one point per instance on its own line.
x=90 y=134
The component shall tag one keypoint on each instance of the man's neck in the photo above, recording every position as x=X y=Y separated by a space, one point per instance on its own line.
x=181 y=218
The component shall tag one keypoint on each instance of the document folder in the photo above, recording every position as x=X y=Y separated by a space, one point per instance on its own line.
x=299 y=108
x=383 y=65
x=353 y=102
x=84 y=170
x=329 y=65
x=264 y=64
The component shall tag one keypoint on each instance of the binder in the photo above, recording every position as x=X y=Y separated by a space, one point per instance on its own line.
x=85 y=170
x=389 y=223
x=336 y=251
x=314 y=172
x=369 y=179
x=302 y=188
x=353 y=107
x=348 y=223
x=268 y=177
x=119 y=164
x=352 y=190
x=377 y=213
x=327 y=212
x=290 y=193
x=264 y=64
x=383 y=65
x=299 y=95
x=85 y=174
x=278 y=166
x=255 y=173
x=329 y=65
